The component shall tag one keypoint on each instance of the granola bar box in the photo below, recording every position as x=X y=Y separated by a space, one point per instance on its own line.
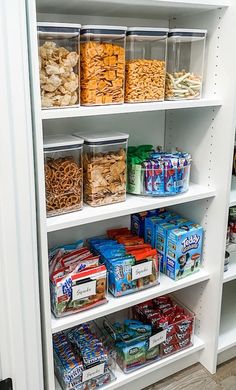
x=104 y=167
x=102 y=58
x=145 y=65
x=63 y=167
x=184 y=250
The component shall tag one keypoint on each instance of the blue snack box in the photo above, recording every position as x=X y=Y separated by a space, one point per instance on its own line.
x=120 y=275
x=151 y=226
x=138 y=220
x=184 y=250
x=161 y=237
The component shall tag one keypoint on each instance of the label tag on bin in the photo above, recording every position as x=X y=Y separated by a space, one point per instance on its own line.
x=141 y=270
x=157 y=339
x=93 y=372
x=83 y=290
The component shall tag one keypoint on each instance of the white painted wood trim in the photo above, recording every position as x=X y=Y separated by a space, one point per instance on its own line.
x=20 y=329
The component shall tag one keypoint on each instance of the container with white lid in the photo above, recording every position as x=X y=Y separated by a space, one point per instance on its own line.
x=63 y=163
x=59 y=64
x=102 y=64
x=185 y=53
x=104 y=167
x=145 y=64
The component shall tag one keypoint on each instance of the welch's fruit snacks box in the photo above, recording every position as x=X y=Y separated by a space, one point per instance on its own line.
x=184 y=250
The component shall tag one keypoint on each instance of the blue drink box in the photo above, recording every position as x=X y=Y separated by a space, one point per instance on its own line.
x=184 y=250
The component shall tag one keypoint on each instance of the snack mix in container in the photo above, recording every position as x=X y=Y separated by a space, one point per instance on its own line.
x=59 y=64
x=145 y=65
x=185 y=53
x=104 y=167
x=102 y=64
x=63 y=165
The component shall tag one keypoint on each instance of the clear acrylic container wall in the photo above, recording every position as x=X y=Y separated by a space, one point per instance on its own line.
x=145 y=66
x=59 y=64
x=63 y=164
x=102 y=64
x=104 y=167
x=186 y=50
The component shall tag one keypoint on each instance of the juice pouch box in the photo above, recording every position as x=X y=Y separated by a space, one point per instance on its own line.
x=184 y=250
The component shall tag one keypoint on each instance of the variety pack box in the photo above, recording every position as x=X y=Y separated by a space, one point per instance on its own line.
x=152 y=226
x=161 y=237
x=184 y=250
x=138 y=220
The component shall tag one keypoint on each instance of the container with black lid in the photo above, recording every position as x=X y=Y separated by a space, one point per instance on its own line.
x=145 y=65
x=59 y=64
x=63 y=164
x=104 y=167
x=102 y=64
x=185 y=53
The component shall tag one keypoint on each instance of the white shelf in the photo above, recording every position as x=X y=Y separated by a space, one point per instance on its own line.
x=227 y=336
x=166 y=286
x=123 y=379
x=130 y=8
x=233 y=192
x=231 y=273
x=133 y=204
x=59 y=113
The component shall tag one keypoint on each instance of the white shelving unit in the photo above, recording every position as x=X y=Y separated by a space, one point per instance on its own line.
x=227 y=335
x=204 y=127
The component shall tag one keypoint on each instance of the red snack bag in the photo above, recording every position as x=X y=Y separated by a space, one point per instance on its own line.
x=170 y=330
x=115 y=232
x=138 y=247
x=133 y=240
x=184 y=326
x=170 y=349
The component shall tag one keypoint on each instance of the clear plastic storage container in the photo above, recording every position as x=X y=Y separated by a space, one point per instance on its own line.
x=102 y=64
x=63 y=164
x=59 y=64
x=184 y=78
x=104 y=167
x=83 y=358
x=145 y=65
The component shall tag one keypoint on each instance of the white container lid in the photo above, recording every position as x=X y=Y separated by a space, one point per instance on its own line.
x=62 y=141
x=155 y=29
x=101 y=137
x=58 y=25
x=187 y=32
x=102 y=27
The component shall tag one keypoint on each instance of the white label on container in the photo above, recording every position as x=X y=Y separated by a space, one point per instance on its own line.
x=141 y=270
x=83 y=290
x=157 y=339
x=93 y=372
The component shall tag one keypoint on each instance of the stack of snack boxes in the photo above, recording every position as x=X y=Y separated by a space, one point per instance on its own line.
x=177 y=240
x=132 y=265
